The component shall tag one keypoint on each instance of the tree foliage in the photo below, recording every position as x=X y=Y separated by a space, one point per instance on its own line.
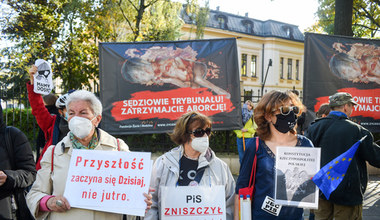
x=198 y=15
x=63 y=32
x=67 y=32
x=365 y=18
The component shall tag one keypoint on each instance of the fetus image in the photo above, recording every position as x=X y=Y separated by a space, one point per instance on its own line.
x=358 y=63
x=179 y=67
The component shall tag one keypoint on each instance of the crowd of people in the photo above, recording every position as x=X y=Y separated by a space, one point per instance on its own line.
x=270 y=124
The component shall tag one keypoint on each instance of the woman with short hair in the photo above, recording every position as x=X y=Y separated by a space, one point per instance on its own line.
x=46 y=199
x=192 y=163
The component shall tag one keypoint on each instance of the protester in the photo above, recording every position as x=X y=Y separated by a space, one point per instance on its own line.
x=46 y=196
x=55 y=127
x=17 y=172
x=191 y=163
x=335 y=134
x=275 y=116
x=323 y=110
x=305 y=118
x=249 y=129
x=49 y=102
x=247 y=111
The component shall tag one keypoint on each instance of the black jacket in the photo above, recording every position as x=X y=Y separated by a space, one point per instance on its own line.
x=19 y=177
x=335 y=135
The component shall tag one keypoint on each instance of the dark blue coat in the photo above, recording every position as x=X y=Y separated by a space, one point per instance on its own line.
x=336 y=134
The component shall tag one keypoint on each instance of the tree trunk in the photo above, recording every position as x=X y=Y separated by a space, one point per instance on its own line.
x=343 y=17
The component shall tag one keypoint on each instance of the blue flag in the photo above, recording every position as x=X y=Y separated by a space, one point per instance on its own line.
x=331 y=175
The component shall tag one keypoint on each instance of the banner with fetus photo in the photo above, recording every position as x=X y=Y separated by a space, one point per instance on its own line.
x=147 y=86
x=344 y=64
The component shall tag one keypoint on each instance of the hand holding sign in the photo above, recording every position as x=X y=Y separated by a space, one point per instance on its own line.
x=109 y=181
x=58 y=204
x=41 y=77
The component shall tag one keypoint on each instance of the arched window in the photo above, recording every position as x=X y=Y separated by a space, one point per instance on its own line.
x=288 y=31
x=248 y=26
x=222 y=21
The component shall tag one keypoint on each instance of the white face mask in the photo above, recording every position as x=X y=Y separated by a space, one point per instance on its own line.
x=80 y=127
x=200 y=144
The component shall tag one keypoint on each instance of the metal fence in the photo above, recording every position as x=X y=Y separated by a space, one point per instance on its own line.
x=17 y=113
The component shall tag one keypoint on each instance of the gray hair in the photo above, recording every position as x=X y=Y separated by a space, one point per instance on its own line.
x=83 y=95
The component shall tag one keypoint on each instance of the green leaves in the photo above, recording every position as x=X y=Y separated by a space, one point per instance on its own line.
x=365 y=18
x=66 y=33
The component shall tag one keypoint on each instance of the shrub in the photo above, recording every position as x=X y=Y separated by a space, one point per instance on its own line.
x=23 y=120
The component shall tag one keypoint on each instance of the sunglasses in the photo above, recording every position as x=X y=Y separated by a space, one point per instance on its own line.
x=285 y=110
x=200 y=132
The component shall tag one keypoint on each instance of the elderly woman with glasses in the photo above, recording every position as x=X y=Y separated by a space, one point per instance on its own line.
x=45 y=199
x=192 y=163
x=275 y=116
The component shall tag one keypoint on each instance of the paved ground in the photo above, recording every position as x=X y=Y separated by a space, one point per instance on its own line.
x=371 y=205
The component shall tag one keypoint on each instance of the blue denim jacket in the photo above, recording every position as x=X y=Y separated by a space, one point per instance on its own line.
x=265 y=175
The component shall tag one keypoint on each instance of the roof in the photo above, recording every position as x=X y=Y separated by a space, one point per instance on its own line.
x=244 y=24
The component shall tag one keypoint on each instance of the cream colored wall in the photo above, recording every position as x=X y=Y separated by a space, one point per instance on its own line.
x=274 y=48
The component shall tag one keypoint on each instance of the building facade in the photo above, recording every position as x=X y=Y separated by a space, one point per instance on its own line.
x=271 y=53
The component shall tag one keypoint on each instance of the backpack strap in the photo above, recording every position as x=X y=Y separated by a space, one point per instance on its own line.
x=118 y=144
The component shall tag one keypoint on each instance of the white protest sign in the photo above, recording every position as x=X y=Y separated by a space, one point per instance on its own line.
x=295 y=166
x=43 y=79
x=193 y=202
x=109 y=181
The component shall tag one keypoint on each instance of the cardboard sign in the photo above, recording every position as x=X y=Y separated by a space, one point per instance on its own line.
x=193 y=202
x=43 y=79
x=295 y=166
x=109 y=181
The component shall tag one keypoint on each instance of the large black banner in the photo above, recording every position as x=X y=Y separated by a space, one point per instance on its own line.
x=147 y=86
x=344 y=64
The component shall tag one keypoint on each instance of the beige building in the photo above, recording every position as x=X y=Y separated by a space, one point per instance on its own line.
x=265 y=48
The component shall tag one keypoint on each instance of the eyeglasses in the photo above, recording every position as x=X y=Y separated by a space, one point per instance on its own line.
x=200 y=132
x=285 y=110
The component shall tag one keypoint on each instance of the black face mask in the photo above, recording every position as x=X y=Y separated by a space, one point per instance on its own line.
x=285 y=123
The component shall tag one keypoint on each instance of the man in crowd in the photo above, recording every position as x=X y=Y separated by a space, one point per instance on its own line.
x=335 y=134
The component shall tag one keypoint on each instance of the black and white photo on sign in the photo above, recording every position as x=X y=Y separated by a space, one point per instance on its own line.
x=43 y=80
x=295 y=167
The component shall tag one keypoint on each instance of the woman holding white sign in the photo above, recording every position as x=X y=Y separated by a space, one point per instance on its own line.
x=46 y=199
x=191 y=164
x=275 y=116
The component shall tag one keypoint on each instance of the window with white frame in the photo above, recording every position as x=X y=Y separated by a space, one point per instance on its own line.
x=297 y=69
x=253 y=65
x=281 y=68
x=244 y=64
x=290 y=62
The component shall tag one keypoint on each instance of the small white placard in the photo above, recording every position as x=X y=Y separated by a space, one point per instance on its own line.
x=193 y=202
x=270 y=206
x=109 y=181
x=295 y=167
x=43 y=79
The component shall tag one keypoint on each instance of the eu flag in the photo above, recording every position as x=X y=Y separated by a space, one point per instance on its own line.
x=331 y=175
